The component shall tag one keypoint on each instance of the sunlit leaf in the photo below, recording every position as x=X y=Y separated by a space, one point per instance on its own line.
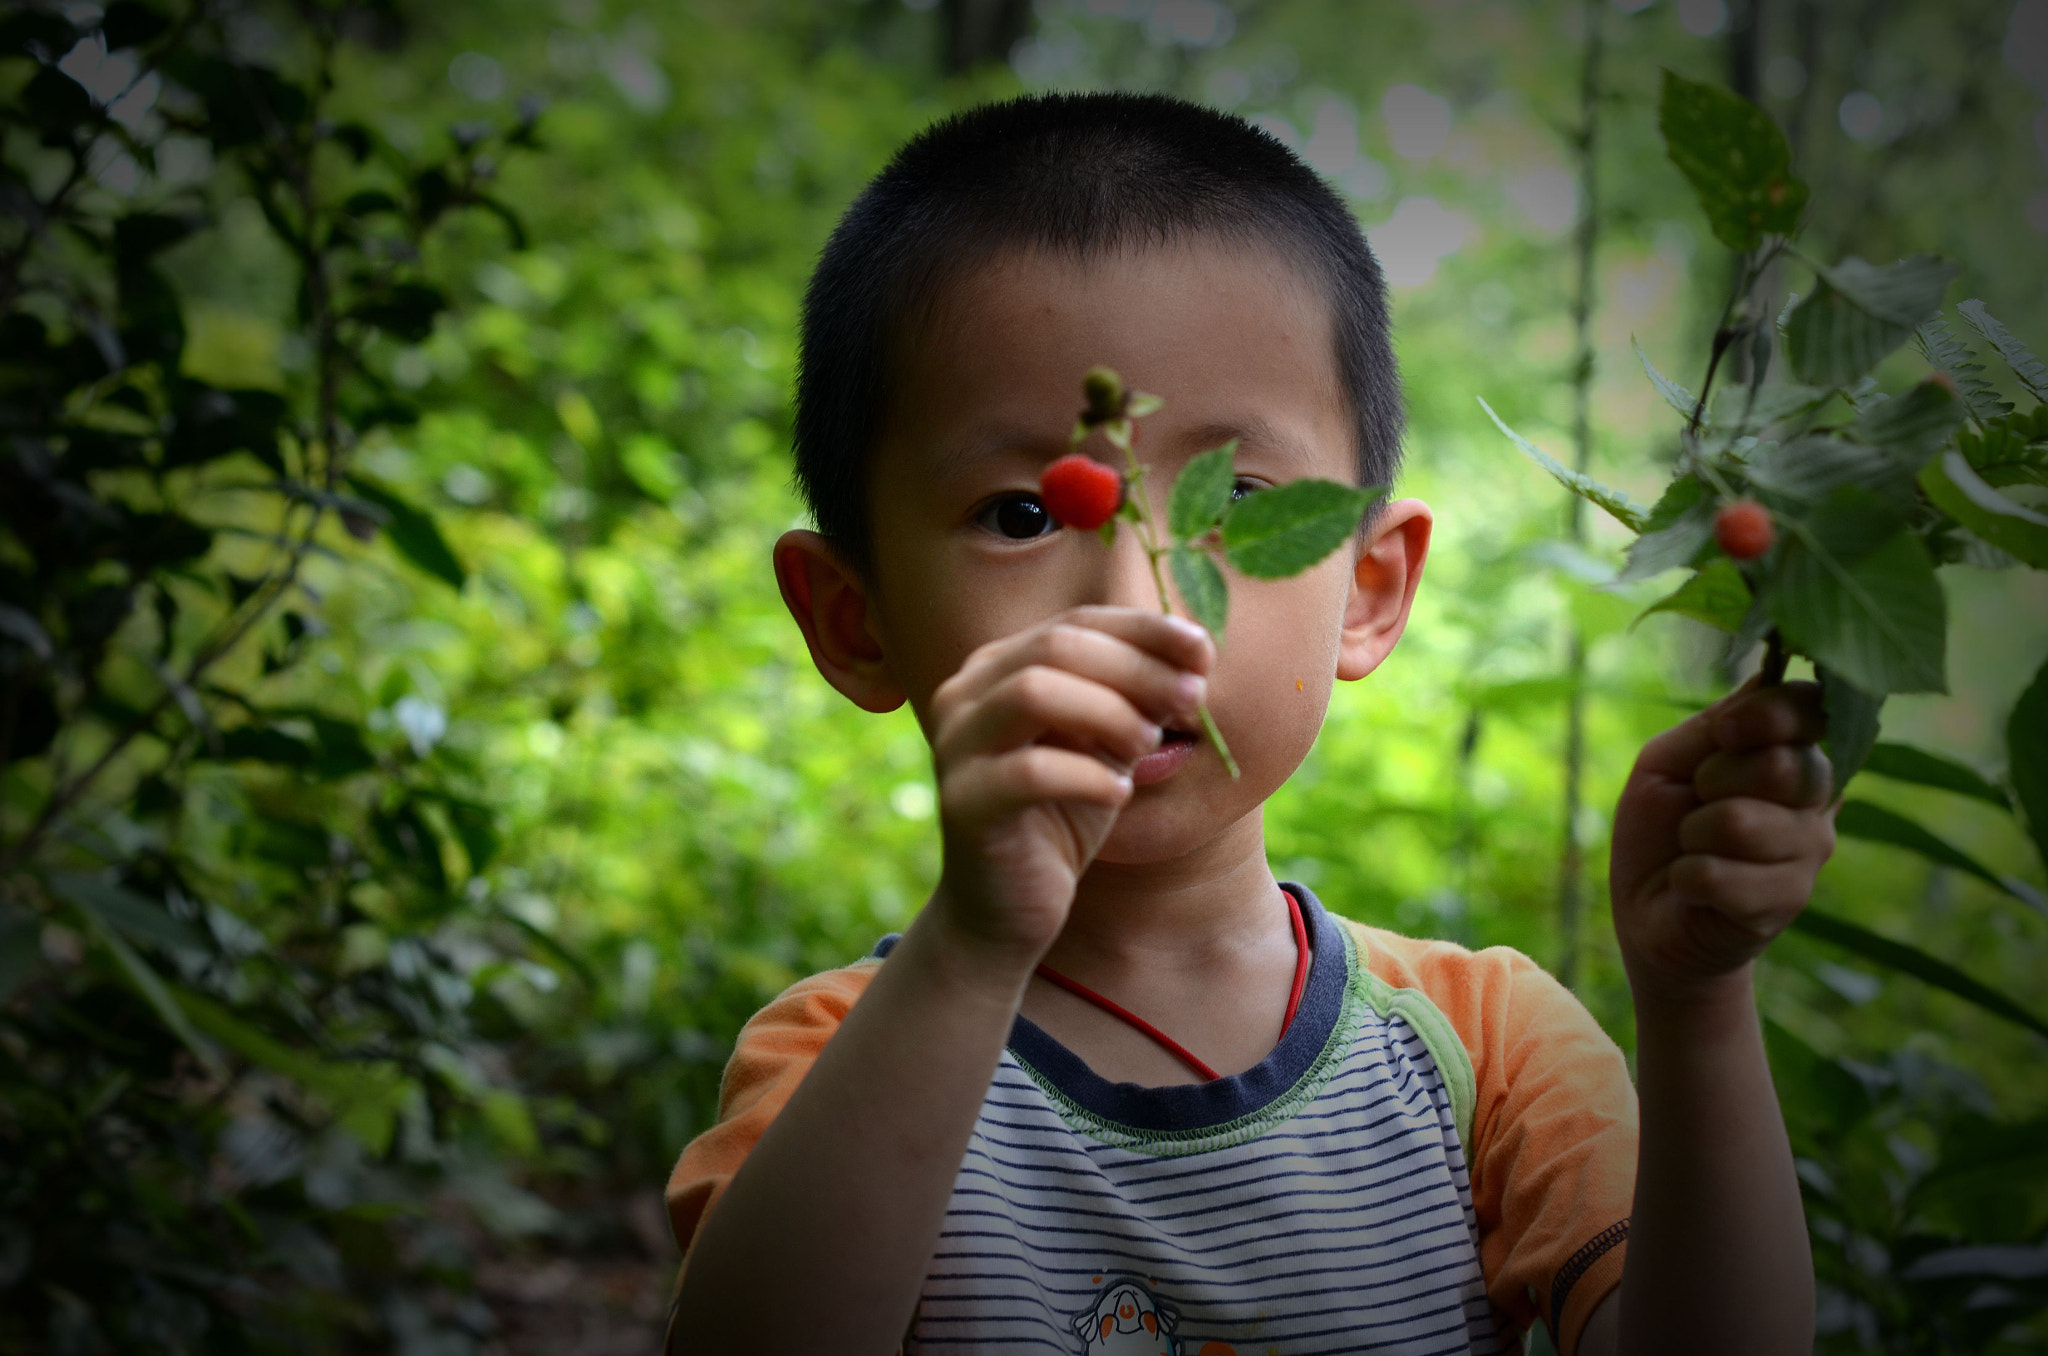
x=1625 y=510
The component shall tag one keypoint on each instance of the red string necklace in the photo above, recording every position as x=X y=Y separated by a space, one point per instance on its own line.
x=1168 y=1043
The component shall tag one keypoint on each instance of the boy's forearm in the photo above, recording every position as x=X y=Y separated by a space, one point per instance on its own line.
x=822 y=1240
x=1718 y=1256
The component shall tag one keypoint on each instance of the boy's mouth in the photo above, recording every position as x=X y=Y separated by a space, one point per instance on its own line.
x=1175 y=748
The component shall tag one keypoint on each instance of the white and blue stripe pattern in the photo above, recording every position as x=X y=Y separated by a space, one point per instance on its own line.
x=1318 y=1203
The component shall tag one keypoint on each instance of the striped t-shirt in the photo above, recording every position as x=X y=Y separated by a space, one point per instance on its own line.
x=1440 y=1148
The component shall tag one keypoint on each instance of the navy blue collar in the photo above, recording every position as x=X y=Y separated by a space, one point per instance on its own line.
x=1200 y=1106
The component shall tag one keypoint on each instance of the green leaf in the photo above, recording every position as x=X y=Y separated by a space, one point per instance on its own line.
x=1859 y=313
x=1915 y=425
x=1812 y=468
x=1911 y=960
x=1735 y=158
x=1624 y=509
x=146 y=980
x=1875 y=824
x=1201 y=494
x=2017 y=355
x=1676 y=396
x=1803 y=1072
x=144 y=920
x=1678 y=529
x=1716 y=595
x=1201 y=588
x=2026 y=747
x=1957 y=490
x=414 y=533
x=1282 y=531
x=1852 y=726
x=1904 y=763
x=1855 y=591
x=1945 y=353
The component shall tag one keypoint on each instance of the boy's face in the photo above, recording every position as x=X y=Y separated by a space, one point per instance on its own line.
x=985 y=397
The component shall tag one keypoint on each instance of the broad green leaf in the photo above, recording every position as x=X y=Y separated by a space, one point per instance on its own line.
x=142 y=919
x=1852 y=716
x=2026 y=748
x=2028 y=368
x=1911 y=960
x=1201 y=588
x=1904 y=763
x=1859 y=313
x=1773 y=404
x=1804 y=1072
x=1876 y=824
x=1201 y=494
x=1914 y=426
x=1716 y=595
x=1678 y=529
x=1810 y=469
x=1624 y=509
x=146 y=980
x=1945 y=353
x=414 y=533
x=1735 y=158
x=1855 y=591
x=1676 y=396
x=1957 y=490
x=1282 y=531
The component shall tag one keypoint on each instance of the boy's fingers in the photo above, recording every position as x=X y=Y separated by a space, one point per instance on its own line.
x=1789 y=713
x=991 y=788
x=1037 y=701
x=1176 y=640
x=1790 y=774
x=1761 y=898
x=1759 y=831
x=1162 y=687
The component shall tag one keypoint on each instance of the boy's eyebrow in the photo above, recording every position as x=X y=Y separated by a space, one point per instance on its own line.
x=1255 y=431
x=997 y=439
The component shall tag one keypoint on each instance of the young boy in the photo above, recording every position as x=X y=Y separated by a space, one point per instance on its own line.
x=1117 y=1089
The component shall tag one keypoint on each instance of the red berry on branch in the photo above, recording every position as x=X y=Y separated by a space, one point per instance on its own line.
x=1081 y=492
x=1744 y=529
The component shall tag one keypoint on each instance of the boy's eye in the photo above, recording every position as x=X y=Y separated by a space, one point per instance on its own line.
x=1243 y=486
x=1018 y=517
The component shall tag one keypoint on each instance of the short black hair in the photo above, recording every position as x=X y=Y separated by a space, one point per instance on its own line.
x=1083 y=175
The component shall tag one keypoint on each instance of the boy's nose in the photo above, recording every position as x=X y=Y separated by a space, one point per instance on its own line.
x=1127 y=575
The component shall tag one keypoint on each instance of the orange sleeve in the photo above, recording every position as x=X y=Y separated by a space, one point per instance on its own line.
x=1553 y=1145
x=776 y=1048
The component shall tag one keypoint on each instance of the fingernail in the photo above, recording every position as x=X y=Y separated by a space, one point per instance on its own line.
x=1125 y=785
x=1190 y=688
x=1153 y=735
x=1186 y=627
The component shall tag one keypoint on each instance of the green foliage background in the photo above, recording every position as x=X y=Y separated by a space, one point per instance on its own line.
x=637 y=812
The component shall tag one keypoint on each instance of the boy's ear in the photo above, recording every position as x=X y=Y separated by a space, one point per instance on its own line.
x=1383 y=586
x=830 y=603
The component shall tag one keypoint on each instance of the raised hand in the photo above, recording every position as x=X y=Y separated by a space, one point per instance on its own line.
x=1721 y=829
x=1033 y=740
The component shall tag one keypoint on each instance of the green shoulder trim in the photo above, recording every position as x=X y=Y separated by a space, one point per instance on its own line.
x=1439 y=1037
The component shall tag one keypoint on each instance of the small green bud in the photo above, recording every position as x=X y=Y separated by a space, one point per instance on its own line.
x=1103 y=390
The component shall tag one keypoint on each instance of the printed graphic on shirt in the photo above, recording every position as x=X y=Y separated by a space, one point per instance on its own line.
x=1127 y=1319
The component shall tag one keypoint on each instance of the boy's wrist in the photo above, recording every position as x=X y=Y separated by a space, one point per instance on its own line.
x=1704 y=1006
x=960 y=956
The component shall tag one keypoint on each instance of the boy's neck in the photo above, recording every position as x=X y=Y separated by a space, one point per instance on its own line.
x=1182 y=914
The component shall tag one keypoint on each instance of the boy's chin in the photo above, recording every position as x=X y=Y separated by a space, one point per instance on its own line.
x=1171 y=820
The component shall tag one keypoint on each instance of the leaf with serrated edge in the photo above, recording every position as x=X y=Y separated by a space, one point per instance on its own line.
x=1201 y=588
x=1812 y=468
x=2017 y=355
x=1715 y=595
x=1201 y=493
x=1735 y=158
x=1917 y=423
x=1282 y=531
x=1676 y=396
x=1855 y=591
x=1945 y=353
x=1678 y=529
x=2026 y=735
x=2012 y=527
x=1904 y=763
x=1859 y=313
x=1852 y=725
x=1623 y=509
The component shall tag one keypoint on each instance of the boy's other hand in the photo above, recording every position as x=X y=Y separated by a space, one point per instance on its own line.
x=1033 y=740
x=1722 y=827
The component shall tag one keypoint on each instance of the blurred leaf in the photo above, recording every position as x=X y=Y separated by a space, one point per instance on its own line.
x=1904 y=763
x=1859 y=313
x=365 y=1096
x=1624 y=509
x=2000 y=1261
x=1855 y=591
x=2017 y=355
x=1282 y=531
x=1678 y=529
x=1676 y=396
x=130 y=24
x=1715 y=595
x=146 y=980
x=1852 y=716
x=1810 y=469
x=403 y=310
x=21 y=949
x=2026 y=747
x=1911 y=960
x=1946 y=354
x=1805 y=1075
x=143 y=919
x=55 y=102
x=1874 y=823
x=1735 y=158
x=1957 y=490
x=414 y=532
x=1201 y=588
x=257 y=744
x=1913 y=426
x=1201 y=494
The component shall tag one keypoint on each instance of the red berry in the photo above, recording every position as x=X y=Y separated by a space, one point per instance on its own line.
x=1744 y=529
x=1081 y=492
